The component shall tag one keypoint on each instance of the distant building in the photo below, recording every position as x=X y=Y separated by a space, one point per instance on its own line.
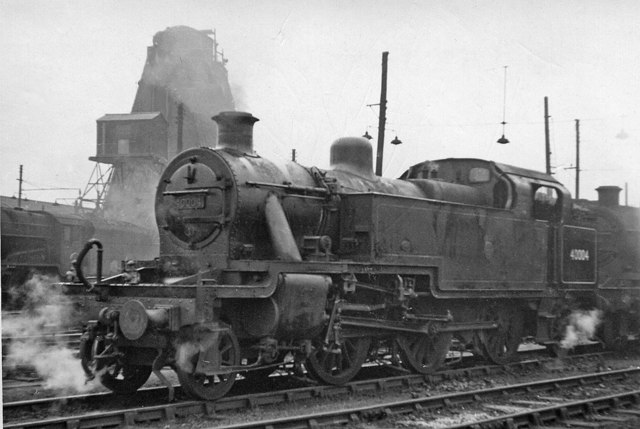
x=184 y=83
x=131 y=135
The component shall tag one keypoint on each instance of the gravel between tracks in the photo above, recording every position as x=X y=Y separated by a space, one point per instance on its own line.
x=552 y=370
x=444 y=418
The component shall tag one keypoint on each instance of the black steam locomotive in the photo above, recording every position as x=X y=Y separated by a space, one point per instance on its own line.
x=43 y=242
x=263 y=263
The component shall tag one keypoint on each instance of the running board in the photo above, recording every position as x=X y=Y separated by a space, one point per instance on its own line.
x=423 y=328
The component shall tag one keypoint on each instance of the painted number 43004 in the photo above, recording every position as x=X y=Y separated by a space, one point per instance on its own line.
x=579 y=255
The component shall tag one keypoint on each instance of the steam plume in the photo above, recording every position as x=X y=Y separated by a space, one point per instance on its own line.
x=44 y=312
x=581 y=328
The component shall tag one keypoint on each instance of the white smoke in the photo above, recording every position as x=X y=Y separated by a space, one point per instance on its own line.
x=240 y=97
x=581 y=328
x=184 y=355
x=44 y=313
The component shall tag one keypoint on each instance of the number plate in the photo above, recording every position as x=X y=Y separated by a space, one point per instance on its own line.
x=190 y=202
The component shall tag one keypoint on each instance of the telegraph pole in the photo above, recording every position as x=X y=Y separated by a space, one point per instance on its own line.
x=383 y=110
x=547 y=145
x=20 y=187
x=180 y=120
x=577 y=159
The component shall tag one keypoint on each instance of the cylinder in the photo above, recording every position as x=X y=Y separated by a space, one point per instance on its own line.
x=302 y=301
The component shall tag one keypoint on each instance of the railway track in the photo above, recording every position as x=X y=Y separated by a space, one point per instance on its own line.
x=152 y=404
x=65 y=339
x=623 y=408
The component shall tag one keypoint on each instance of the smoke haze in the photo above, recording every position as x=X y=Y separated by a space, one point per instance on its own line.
x=44 y=312
x=183 y=68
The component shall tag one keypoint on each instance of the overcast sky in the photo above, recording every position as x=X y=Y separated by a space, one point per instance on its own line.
x=308 y=70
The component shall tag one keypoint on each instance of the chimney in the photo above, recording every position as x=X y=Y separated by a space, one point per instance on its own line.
x=235 y=130
x=608 y=196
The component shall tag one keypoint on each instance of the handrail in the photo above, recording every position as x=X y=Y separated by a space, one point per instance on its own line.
x=77 y=263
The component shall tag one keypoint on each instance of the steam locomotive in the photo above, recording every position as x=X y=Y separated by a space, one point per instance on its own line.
x=263 y=263
x=43 y=241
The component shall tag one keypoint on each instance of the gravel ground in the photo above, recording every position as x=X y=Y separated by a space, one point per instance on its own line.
x=439 y=420
x=442 y=418
x=37 y=391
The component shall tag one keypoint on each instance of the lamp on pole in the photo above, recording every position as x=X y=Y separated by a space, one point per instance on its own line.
x=503 y=139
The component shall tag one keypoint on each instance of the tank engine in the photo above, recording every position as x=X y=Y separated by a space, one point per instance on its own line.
x=618 y=263
x=264 y=262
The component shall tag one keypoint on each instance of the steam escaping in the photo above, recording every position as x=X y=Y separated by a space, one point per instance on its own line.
x=44 y=314
x=132 y=200
x=192 y=344
x=240 y=97
x=581 y=328
x=184 y=356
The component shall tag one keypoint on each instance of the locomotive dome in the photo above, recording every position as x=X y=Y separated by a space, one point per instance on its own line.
x=353 y=155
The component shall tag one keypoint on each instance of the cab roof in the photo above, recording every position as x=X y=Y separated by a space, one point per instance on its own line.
x=475 y=162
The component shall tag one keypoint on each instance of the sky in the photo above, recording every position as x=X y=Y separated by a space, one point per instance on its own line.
x=310 y=71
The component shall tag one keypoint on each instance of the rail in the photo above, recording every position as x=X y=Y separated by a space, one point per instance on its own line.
x=133 y=416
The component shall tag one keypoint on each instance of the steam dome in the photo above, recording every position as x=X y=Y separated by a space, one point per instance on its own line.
x=354 y=155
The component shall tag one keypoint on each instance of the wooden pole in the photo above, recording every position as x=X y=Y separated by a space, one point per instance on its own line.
x=547 y=145
x=577 y=159
x=20 y=188
x=382 y=117
x=180 y=127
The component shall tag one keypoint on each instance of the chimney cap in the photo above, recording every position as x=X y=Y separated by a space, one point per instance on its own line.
x=609 y=188
x=244 y=117
x=609 y=195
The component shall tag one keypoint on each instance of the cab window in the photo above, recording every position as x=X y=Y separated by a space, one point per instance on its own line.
x=546 y=203
x=502 y=194
x=479 y=175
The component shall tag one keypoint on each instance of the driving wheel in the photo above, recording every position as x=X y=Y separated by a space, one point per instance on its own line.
x=114 y=374
x=337 y=364
x=500 y=345
x=423 y=353
x=210 y=387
